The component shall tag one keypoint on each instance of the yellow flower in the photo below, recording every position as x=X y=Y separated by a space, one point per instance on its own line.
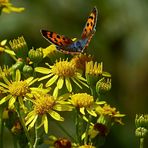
x=49 y=51
x=84 y=101
x=80 y=61
x=60 y=72
x=44 y=105
x=110 y=112
x=94 y=68
x=7 y=7
x=17 y=90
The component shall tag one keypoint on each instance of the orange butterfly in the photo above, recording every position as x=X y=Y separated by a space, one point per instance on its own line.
x=68 y=46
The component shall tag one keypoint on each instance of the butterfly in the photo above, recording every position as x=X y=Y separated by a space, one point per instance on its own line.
x=67 y=45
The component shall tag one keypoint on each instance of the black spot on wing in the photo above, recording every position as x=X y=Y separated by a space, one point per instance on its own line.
x=58 y=36
x=91 y=24
x=91 y=17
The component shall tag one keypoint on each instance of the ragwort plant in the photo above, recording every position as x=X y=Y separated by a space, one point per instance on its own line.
x=35 y=95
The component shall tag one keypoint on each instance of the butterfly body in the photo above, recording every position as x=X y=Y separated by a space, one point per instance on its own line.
x=66 y=44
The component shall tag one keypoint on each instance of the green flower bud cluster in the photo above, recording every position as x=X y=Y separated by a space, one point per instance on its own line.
x=141 y=122
x=36 y=56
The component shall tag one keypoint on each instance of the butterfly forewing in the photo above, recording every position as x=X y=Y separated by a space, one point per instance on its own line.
x=90 y=25
x=54 y=38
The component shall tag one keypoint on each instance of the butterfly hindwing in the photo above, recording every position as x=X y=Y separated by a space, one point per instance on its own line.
x=54 y=38
x=90 y=25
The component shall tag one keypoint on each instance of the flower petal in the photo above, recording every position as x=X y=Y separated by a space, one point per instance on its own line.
x=12 y=101
x=68 y=84
x=76 y=83
x=55 y=115
x=45 y=77
x=60 y=82
x=29 y=80
x=33 y=122
x=43 y=70
x=91 y=112
x=6 y=80
x=18 y=75
x=63 y=107
x=56 y=92
x=52 y=80
x=10 y=52
x=3 y=85
x=80 y=77
x=45 y=124
x=82 y=110
x=82 y=82
x=30 y=117
x=6 y=98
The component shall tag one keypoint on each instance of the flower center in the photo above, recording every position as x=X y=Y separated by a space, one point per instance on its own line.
x=19 y=88
x=82 y=100
x=64 y=68
x=43 y=103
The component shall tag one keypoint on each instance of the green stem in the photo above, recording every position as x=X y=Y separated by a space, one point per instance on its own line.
x=1 y=127
x=87 y=129
x=79 y=127
x=141 y=142
x=63 y=129
x=14 y=141
x=30 y=143
x=36 y=136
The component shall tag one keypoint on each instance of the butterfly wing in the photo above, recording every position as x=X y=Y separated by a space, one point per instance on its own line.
x=54 y=38
x=90 y=25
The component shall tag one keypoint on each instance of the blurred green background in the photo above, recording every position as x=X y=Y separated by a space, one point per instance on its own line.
x=121 y=42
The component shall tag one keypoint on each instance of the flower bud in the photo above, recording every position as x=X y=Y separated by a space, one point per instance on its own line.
x=27 y=71
x=36 y=55
x=141 y=132
x=18 y=65
x=93 y=72
x=141 y=121
x=19 y=46
x=103 y=85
